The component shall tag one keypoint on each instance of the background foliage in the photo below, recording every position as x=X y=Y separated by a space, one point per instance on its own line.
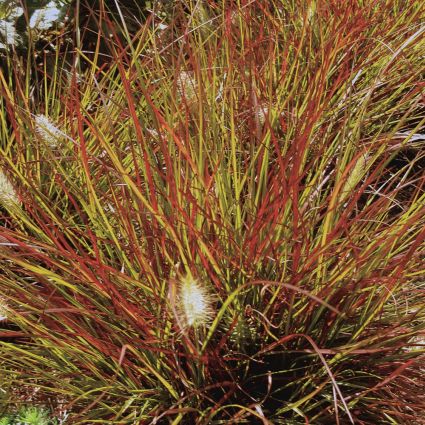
x=271 y=154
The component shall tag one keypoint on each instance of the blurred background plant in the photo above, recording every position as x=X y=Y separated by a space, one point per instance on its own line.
x=213 y=212
x=30 y=415
x=24 y=21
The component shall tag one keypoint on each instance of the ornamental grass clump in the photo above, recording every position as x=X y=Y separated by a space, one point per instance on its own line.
x=299 y=233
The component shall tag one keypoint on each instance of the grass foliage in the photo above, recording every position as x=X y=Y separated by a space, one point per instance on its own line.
x=266 y=155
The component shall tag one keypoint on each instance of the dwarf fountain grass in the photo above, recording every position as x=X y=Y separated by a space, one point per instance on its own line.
x=305 y=232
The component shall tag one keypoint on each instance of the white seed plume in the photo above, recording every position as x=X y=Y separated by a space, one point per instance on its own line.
x=8 y=194
x=3 y=309
x=186 y=85
x=262 y=112
x=195 y=303
x=416 y=343
x=47 y=130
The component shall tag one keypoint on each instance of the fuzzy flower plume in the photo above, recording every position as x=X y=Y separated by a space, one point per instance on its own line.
x=262 y=112
x=186 y=85
x=3 y=309
x=8 y=194
x=47 y=130
x=195 y=303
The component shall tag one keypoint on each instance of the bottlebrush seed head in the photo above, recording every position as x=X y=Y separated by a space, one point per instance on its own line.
x=8 y=194
x=195 y=303
x=186 y=85
x=47 y=130
x=3 y=309
x=262 y=112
